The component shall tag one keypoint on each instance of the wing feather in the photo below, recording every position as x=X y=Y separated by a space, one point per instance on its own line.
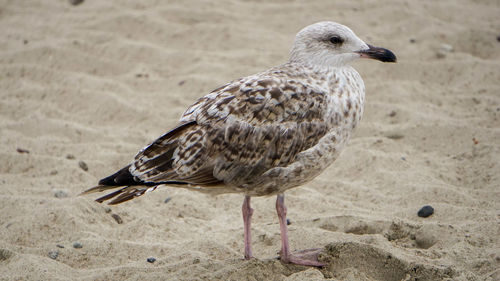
x=233 y=136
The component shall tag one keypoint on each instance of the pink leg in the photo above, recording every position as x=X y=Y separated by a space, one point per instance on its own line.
x=306 y=257
x=247 y=220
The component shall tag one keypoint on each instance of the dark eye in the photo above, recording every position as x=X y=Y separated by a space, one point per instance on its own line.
x=336 y=40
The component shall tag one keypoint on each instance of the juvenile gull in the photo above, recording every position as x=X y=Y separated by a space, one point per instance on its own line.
x=262 y=134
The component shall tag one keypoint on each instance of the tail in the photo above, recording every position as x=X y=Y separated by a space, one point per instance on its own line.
x=130 y=187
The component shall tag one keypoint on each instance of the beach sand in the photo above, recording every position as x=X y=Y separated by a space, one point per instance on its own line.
x=84 y=87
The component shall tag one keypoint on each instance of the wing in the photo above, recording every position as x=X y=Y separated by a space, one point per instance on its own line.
x=255 y=124
x=231 y=136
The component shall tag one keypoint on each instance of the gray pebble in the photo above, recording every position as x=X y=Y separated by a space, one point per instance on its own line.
x=168 y=199
x=117 y=218
x=446 y=48
x=53 y=254
x=60 y=194
x=83 y=165
x=107 y=210
x=425 y=239
x=75 y=2
x=288 y=222
x=59 y=246
x=425 y=211
x=70 y=156
x=77 y=245
x=151 y=260
x=440 y=55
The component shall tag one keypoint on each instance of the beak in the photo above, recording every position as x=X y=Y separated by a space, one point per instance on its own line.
x=378 y=53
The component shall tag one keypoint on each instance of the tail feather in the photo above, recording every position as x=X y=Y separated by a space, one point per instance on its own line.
x=130 y=187
x=131 y=194
x=125 y=194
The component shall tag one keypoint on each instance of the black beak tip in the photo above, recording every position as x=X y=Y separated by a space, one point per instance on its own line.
x=388 y=56
x=381 y=54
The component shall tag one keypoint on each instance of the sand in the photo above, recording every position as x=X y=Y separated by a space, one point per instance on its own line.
x=86 y=86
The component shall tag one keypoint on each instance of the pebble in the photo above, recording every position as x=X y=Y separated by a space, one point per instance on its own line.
x=424 y=239
x=107 y=210
x=53 y=254
x=117 y=218
x=446 y=48
x=22 y=150
x=498 y=38
x=59 y=246
x=395 y=136
x=83 y=165
x=151 y=260
x=75 y=2
x=425 y=211
x=168 y=199
x=77 y=245
x=70 y=156
x=60 y=194
x=288 y=222
x=413 y=40
x=443 y=50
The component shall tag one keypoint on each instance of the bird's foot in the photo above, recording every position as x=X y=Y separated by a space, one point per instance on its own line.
x=307 y=257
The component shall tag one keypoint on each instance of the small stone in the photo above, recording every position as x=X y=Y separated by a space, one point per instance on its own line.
x=77 y=245
x=440 y=55
x=425 y=239
x=53 y=172
x=83 y=166
x=70 y=156
x=498 y=38
x=53 y=254
x=117 y=218
x=22 y=150
x=288 y=222
x=59 y=246
x=403 y=158
x=413 y=40
x=75 y=2
x=151 y=260
x=168 y=199
x=425 y=211
x=392 y=114
x=107 y=210
x=5 y=254
x=395 y=136
x=446 y=48
x=60 y=194
x=181 y=82
x=25 y=41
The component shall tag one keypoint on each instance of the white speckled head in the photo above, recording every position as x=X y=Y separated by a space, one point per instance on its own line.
x=332 y=44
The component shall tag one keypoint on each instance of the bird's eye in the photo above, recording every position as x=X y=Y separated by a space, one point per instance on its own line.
x=336 y=40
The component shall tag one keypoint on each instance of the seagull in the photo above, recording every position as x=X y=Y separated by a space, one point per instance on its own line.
x=262 y=134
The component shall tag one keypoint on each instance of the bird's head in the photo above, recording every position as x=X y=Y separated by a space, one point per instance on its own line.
x=332 y=44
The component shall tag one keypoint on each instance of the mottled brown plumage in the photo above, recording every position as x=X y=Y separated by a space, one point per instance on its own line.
x=262 y=134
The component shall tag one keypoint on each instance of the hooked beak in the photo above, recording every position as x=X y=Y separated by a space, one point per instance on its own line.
x=378 y=53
